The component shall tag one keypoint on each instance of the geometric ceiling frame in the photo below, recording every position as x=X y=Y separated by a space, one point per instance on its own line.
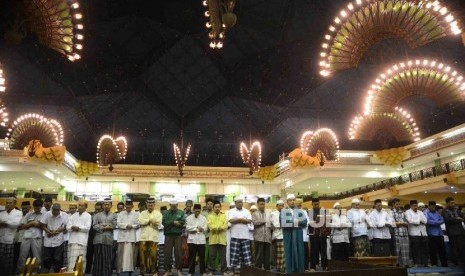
x=384 y=126
x=57 y=25
x=33 y=126
x=427 y=78
x=110 y=150
x=364 y=23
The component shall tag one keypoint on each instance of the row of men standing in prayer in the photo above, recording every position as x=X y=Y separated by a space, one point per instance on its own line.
x=41 y=232
x=370 y=234
x=405 y=234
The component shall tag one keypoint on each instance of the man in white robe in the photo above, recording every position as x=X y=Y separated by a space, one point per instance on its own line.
x=128 y=223
x=379 y=221
x=78 y=227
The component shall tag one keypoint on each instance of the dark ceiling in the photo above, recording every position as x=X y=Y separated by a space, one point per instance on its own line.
x=147 y=72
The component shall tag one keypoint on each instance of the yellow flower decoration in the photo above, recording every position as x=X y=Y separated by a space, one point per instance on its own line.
x=392 y=157
x=267 y=173
x=34 y=149
x=84 y=168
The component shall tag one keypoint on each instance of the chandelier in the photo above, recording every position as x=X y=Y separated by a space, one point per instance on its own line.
x=383 y=127
x=33 y=126
x=181 y=154
x=252 y=156
x=220 y=19
x=110 y=151
x=57 y=25
x=364 y=23
x=429 y=78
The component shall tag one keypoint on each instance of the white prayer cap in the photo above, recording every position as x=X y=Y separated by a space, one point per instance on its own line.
x=253 y=207
x=336 y=204
x=239 y=198
x=173 y=202
x=355 y=201
x=290 y=196
x=280 y=202
x=421 y=204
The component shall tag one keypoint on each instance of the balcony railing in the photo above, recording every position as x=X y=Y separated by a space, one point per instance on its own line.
x=443 y=169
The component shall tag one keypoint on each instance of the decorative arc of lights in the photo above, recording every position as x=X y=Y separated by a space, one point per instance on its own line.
x=322 y=142
x=305 y=140
x=363 y=23
x=3 y=110
x=110 y=150
x=431 y=78
x=2 y=81
x=58 y=25
x=221 y=18
x=181 y=155
x=252 y=157
x=380 y=126
x=34 y=126
x=325 y=141
x=3 y=114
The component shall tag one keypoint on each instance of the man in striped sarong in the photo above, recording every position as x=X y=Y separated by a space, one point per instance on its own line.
x=401 y=234
x=278 y=237
x=240 y=220
x=9 y=221
x=103 y=224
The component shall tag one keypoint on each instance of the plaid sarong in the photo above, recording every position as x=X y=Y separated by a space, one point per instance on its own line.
x=240 y=252
x=402 y=250
x=74 y=251
x=6 y=261
x=279 y=255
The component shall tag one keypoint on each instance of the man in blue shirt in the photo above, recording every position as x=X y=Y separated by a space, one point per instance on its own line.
x=437 y=248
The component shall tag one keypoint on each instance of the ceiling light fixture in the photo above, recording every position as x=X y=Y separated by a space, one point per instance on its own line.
x=251 y=156
x=111 y=151
x=32 y=126
x=57 y=25
x=181 y=154
x=382 y=127
x=364 y=23
x=220 y=19
x=430 y=78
